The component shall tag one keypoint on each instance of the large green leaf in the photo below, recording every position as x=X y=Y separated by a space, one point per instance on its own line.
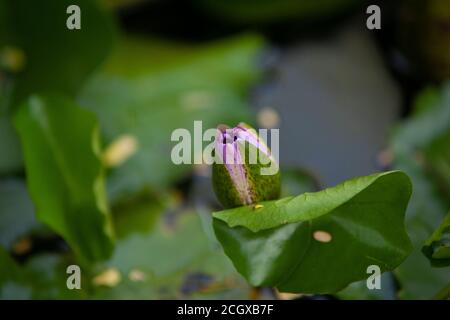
x=359 y=290
x=437 y=247
x=277 y=244
x=296 y=181
x=148 y=100
x=64 y=173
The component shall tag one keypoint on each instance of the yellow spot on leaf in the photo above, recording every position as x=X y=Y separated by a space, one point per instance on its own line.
x=322 y=236
x=137 y=275
x=109 y=278
x=197 y=100
x=258 y=206
x=120 y=150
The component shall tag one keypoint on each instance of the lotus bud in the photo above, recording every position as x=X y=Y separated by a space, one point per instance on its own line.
x=240 y=172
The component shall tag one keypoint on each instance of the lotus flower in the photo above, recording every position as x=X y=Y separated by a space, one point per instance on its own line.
x=244 y=171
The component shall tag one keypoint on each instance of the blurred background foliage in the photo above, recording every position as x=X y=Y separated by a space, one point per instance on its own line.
x=86 y=118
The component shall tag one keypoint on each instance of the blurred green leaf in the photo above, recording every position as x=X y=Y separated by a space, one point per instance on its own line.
x=41 y=55
x=231 y=61
x=175 y=260
x=147 y=101
x=437 y=247
x=42 y=277
x=437 y=163
x=443 y=294
x=137 y=214
x=11 y=155
x=417 y=278
x=282 y=244
x=297 y=181
x=64 y=174
x=16 y=212
x=431 y=120
x=56 y=59
x=47 y=275
x=12 y=284
x=8 y=268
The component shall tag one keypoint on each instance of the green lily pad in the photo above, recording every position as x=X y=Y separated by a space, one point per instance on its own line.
x=174 y=260
x=320 y=242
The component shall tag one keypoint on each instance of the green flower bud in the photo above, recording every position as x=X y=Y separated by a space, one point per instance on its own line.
x=244 y=171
